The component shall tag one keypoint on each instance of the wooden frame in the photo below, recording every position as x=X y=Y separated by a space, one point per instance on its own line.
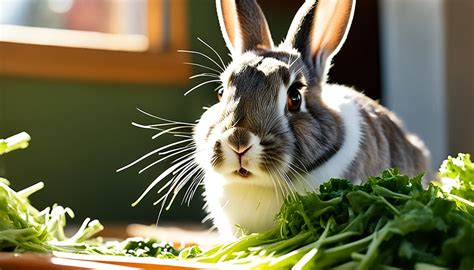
x=159 y=62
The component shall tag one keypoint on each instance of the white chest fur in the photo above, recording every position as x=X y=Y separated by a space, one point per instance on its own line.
x=252 y=206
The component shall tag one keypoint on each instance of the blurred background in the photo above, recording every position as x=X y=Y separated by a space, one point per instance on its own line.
x=73 y=72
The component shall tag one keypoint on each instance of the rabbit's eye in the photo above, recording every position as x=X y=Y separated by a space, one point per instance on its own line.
x=220 y=92
x=294 y=97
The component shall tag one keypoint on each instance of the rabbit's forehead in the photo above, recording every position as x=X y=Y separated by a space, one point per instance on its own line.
x=268 y=66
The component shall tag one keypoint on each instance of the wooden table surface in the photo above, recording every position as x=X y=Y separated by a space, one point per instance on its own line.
x=35 y=261
x=178 y=235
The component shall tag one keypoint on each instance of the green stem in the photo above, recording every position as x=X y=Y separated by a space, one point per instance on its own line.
x=372 y=253
x=19 y=141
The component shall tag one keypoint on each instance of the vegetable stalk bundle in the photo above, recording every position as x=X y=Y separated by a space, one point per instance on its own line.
x=25 y=228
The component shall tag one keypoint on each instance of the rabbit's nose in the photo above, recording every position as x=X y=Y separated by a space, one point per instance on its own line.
x=238 y=140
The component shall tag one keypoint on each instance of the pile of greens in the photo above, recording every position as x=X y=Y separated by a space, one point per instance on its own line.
x=25 y=228
x=388 y=222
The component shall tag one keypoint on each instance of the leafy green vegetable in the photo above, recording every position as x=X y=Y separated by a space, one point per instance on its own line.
x=388 y=222
x=24 y=228
x=458 y=176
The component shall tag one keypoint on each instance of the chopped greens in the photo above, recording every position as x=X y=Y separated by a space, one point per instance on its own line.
x=139 y=247
x=388 y=222
x=146 y=247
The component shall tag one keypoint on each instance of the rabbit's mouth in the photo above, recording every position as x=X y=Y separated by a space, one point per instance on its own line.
x=243 y=172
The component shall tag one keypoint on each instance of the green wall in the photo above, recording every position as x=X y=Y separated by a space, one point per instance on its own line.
x=81 y=134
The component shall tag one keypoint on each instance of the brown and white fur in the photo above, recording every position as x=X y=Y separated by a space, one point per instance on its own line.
x=255 y=151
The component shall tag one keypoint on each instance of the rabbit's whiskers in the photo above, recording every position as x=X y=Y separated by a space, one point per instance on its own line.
x=153 y=152
x=201 y=84
x=218 y=88
x=215 y=76
x=204 y=55
x=167 y=157
x=163 y=119
x=210 y=75
x=202 y=66
x=183 y=166
x=286 y=180
x=275 y=178
x=210 y=47
x=278 y=195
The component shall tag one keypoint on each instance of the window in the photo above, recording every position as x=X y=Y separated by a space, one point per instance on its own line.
x=111 y=40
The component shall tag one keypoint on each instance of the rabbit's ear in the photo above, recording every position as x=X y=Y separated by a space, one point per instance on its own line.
x=319 y=29
x=243 y=25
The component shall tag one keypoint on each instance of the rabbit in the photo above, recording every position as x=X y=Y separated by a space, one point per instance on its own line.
x=279 y=128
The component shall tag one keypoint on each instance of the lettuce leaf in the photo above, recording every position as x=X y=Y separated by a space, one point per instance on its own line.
x=457 y=176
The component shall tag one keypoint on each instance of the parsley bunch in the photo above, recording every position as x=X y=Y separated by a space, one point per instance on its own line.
x=388 y=222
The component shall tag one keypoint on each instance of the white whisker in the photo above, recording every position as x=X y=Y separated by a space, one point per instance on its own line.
x=287 y=181
x=182 y=136
x=175 y=182
x=151 y=153
x=169 y=131
x=277 y=194
x=210 y=47
x=159 y=178
x=218 y=87
x=169 y=124
x=185 y=180
x=203 y=55
x=211 y=75
x=163 y=119
x=175 y=143
x=206 y=218
x=144 y=126
x=161 y=198
x=165 y=186
x=275 y=181
x=175 y=177
x=185 y=155
x=201 y=84
x=164 y=158
x=159 y=213
x=188 y=146
x=202 y=66
x=193 y=187
x=156 y=126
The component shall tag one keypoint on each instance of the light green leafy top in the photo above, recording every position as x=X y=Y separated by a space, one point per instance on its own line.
x=458 y=176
